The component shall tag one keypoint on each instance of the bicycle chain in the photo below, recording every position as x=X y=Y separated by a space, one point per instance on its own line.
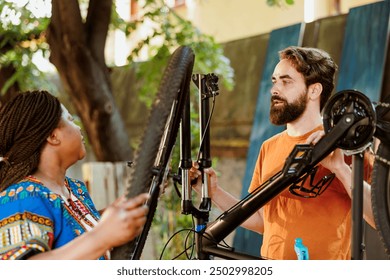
x=379 y=158
x=381 y=104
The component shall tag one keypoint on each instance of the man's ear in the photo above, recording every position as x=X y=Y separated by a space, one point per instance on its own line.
x=315 y=91
x=53 y=138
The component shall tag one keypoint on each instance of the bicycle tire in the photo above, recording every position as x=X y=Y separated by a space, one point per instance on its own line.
x=380 y=195
x=153 y=155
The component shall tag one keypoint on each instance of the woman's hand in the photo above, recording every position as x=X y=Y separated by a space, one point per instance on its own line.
x=123 y=220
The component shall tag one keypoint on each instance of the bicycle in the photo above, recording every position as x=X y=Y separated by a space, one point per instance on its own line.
x=350 y=122
x=150 y=167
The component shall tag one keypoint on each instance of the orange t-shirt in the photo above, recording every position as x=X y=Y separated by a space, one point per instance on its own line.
x=323 y=222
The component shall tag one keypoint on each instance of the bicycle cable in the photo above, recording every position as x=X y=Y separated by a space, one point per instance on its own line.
x=206 y=128
x=170 y=239
x=224 y=245
x=189 y=257
x=185 y=251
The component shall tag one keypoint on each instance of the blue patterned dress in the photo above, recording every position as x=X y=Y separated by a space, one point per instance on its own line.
x=33 y=219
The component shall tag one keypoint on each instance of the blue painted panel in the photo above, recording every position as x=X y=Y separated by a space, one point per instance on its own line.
x=364 y=49
x=245 y=240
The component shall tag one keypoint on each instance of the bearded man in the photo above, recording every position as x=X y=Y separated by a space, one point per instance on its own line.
x=303 y=81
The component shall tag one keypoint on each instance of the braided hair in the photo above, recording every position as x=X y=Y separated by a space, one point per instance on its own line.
x=25 y=123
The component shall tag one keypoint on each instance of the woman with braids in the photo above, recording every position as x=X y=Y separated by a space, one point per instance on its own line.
x=43 y=213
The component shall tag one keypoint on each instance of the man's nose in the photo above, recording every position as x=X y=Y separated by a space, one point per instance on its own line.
x=274 y=89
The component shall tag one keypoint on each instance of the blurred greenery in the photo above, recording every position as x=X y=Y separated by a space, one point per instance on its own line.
x=168 y=31
x=22 y=35
x=279 y=3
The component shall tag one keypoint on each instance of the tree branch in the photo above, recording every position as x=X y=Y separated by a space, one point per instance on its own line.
x=68 y=15
x=98 y=20
x=65 y=29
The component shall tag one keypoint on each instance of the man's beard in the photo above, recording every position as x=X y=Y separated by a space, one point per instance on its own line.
x=289 y=112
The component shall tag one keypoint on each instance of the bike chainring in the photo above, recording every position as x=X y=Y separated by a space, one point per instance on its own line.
x=356 y=104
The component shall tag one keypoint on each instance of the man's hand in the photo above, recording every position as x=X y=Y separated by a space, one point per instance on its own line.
x=335 y=160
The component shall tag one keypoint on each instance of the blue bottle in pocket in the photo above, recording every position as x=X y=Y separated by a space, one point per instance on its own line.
x=301 y=250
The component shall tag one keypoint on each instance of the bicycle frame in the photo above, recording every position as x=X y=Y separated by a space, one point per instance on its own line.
x=301 y=160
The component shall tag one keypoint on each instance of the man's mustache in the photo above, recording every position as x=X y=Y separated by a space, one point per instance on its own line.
x=277 y=98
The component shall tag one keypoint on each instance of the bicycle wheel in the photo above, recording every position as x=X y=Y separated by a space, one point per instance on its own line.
x=380 y=195
x=151 y=160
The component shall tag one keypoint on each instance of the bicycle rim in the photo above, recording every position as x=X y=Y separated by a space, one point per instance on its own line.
x=152 y=157
x=380 y=195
